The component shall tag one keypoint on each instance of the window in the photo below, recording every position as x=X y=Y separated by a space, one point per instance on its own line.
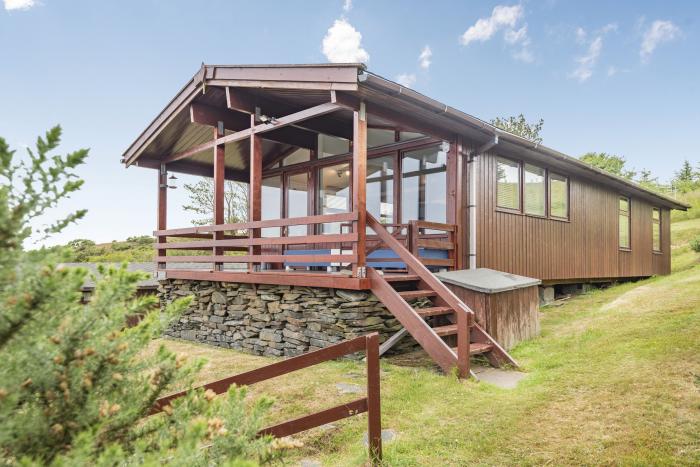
x=333 y=193
x=656 y=229
x=535 y=191
x=624 y=222
x=380 y=188
x=507 y=184
x=379 y=137
x=558 y=196
x=271 y=202
x=298 y=156
x=332 y=146
x=297 y=201
x=408 y=135
x=424 y=185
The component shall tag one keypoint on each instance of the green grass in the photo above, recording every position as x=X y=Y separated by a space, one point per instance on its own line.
x=614 y=378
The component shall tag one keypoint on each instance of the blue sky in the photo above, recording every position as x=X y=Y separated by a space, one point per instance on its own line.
x=620 y=77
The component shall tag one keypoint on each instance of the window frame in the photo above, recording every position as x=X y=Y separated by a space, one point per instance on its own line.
x=567 y=180
x=628 y=214
x=547 y=176
x=519 y=165
x=656 y=223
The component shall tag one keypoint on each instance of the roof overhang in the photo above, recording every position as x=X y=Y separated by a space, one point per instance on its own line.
x=300 y=82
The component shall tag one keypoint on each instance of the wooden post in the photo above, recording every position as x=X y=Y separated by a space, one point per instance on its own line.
x=255 y=187
x=463 y=337
x=359 y=187
x=374 y=415
x=454 y=187
x=219 y=171
x=162 y=208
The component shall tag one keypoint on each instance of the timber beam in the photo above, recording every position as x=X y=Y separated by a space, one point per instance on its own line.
x=193 y=168
x=274 y=125
x=243 y=101
x=401 y=119
x=209 y=115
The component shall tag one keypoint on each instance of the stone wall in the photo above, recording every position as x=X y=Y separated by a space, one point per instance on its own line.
x=276 y=319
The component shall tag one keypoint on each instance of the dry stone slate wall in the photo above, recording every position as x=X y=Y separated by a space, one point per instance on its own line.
x=276 y=320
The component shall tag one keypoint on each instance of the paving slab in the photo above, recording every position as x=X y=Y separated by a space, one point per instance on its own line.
x=346 y=388
x=388 y=436
x=505 y=379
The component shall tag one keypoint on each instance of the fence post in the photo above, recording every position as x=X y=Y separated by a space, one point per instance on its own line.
x=374 y=416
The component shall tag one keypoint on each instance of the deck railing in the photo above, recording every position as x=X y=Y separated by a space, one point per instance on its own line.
x=248 y=243
x=216 y=240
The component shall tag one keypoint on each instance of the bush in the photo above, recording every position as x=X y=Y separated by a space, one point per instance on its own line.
x=695 y=244
x=76 y=385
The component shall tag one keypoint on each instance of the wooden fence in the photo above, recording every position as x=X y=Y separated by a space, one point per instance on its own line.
x=371 y=403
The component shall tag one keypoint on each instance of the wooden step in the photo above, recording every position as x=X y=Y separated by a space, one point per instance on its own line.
x=413 y=294
x=447 y=330
x=400 y=277
x=434 y=311
x=477 y=348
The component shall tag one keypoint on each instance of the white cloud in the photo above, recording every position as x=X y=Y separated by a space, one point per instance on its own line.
x=502 y=17
x=406 y=79
x=347 y=5
x=343 y=43
x=485 y=28
x=425 y=57
x=659 y=32
x=586 y=62
x=19 y=4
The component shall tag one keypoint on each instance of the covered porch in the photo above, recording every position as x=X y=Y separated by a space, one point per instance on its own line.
x=318 y=158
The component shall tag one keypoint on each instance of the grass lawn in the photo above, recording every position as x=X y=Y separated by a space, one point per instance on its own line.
x=614 y=378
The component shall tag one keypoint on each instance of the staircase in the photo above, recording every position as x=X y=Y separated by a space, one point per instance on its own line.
x=446 y=329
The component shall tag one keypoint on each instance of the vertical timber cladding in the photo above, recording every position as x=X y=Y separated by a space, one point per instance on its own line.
x=584 y=247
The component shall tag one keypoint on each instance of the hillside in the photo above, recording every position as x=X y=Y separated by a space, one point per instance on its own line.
x=614 y=378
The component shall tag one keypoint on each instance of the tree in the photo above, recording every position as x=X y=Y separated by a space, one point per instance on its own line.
x=519 y=126
x=610 y=163
x=202 y=201
x=652 y=183
x=686 y=179
x=76 y=384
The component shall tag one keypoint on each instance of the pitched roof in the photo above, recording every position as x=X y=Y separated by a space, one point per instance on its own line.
x=172 y=130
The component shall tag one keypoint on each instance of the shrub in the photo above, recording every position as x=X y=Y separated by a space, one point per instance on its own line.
x=76 y=385
x=695 y=244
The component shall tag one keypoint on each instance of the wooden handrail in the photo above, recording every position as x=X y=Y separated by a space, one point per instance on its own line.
x=320 y=219
x=370 y=404
x=296 y=240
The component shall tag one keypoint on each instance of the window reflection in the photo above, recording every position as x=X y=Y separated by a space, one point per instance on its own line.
x=334 y=193
x=297 y=201
x=424 y=185
x=380 y=188
x=271 y=196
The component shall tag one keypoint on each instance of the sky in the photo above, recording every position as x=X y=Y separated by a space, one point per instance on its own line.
x=619 y=77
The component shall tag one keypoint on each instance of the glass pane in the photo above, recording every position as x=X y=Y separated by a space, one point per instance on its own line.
x=424 y=185
x=334 y=193
x=300 y=155
x=271 y=202
x=297 y=201
x=380 y=188
x=407 y=135
x=534 y=190
x=624 y=231
x=379 y=137
x=332 y=146
x=655 y=214
x=558 y=196
x=508 y=184
x=624 y=204
x=656 y=236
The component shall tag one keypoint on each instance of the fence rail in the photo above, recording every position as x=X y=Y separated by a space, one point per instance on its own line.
x=370 y=404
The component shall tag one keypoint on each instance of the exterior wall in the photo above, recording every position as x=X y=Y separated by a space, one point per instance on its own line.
x=509 y=317
x=583 y=248
x=276 y=319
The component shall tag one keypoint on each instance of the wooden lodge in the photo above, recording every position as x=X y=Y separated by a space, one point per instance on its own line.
x=358 y=183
